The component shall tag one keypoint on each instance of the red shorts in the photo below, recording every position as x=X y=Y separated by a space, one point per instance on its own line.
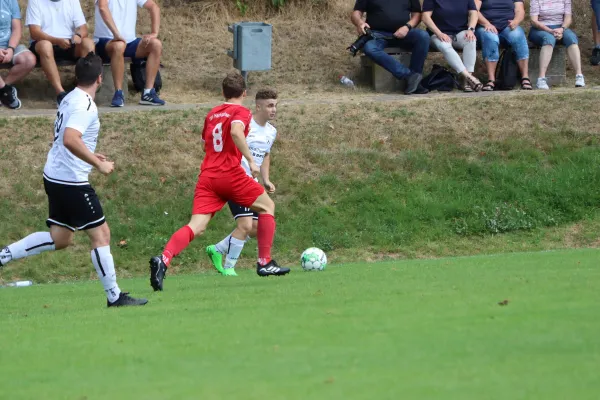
x=212 y=193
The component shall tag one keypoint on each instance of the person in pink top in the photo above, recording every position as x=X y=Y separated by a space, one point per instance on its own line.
x=550 y=21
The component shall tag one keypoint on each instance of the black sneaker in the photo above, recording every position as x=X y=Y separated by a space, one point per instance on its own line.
x=421 y=90
x=271 y=269
x=60 y=97
x=8 y=97
x=412 y=83
x=595 y=59
x=158 y=270
x=125 y=300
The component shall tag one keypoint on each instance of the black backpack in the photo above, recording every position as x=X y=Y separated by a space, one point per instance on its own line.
x=507 y=70
x=138 y=76
x=440 y=79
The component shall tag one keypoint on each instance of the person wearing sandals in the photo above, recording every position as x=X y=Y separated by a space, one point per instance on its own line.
x=499 y=22
x=451 y=24
x=550 y=21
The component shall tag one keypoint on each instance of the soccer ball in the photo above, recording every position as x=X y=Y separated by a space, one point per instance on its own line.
x=313 y=259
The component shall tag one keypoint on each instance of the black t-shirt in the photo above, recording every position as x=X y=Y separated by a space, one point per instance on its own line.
x=387 y=15
x=450 y=16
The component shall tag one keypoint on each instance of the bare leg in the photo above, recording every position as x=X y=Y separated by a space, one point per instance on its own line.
x=545 y=58
x=152 y=51
x=116 y=51
x=23 y=64
x=46 y=53
x=575 y=58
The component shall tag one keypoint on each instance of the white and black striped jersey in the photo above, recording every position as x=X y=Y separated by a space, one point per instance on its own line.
x=77 y=111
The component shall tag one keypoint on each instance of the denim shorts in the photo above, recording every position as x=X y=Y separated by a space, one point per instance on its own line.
x=543 y=38
x=130 y=49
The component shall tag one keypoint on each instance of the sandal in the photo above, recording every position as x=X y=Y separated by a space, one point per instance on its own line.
x=467 y=88
x=526 y=84
x=489 y=86
x=473 y=83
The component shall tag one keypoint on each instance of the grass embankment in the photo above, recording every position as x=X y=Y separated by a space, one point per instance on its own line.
x=362 y=181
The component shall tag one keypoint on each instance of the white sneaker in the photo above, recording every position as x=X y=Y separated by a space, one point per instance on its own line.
x=542 y=84
x=579 y=81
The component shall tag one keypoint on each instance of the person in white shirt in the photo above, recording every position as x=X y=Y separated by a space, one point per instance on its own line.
x=115 y=38
x=73 y=203
x=260 y=139
x=58 y=33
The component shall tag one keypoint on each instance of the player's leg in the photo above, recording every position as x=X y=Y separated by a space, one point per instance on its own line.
x=231 y=246
x=57 y=239
x=178 y=242
x=105 y=268
x=228 y=247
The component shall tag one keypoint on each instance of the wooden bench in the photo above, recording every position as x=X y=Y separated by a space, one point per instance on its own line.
x=383 y=81
x=107 y=89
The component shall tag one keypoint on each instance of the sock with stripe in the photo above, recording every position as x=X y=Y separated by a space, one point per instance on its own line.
x=223 y=245
x=31 y=245
x=264 y=235
x=178 y=242
x=235 y=249
x=105 y=267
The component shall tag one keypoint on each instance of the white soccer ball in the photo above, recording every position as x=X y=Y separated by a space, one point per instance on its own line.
x=313 y=259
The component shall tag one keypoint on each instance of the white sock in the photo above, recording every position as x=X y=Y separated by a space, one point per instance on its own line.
x=31 y=245
x=223 y=245
x=105 y=267
x=235 y=249
x=146 y=91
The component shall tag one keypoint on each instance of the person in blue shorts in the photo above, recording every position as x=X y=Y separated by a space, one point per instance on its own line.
x=116 y=39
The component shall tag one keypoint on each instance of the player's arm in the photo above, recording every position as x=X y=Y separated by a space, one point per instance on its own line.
x=239 y=138
x=74 y=143
x=108 y=20
x=264 y=173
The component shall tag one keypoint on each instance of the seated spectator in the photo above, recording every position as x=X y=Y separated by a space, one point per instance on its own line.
x=550 y=25
x=21 y=60
x=397 y=18
x=115 y=39
x=499 y=22
x=595 y=60
x=58 y=33
x=451 y=24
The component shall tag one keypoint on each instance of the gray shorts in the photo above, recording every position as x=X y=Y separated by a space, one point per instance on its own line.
x=18 y=50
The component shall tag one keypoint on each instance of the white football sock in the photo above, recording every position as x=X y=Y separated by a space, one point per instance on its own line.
x=235 y=249
x=223 y=245
x=146 y=91
x=105 y=267
x=31 y=245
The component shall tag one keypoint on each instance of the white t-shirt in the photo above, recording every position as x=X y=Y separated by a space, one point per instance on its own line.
x=260 y=140
x=124 y=13
x=77 y=111
x=56 y=18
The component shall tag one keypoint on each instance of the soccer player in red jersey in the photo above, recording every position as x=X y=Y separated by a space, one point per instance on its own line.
x=222 y=178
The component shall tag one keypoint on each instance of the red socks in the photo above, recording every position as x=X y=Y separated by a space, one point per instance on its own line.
x=265 y=234
x=178 y=242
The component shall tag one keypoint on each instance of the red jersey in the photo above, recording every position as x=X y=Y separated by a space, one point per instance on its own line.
x=222 y=155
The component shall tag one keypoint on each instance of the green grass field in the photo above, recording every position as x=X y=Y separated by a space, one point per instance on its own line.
x=423 y=329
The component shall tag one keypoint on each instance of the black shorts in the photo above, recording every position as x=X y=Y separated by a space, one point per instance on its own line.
x=240 y=211
x=60 y=54
x=76 y=208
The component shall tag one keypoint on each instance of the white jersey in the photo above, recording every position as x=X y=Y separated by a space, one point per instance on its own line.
x=77 y=111
x=56 y=18
x=124 y=14
x=260 y=140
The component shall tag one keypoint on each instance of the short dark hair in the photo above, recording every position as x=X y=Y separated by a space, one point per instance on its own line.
x=88 y=69
x=234 y=85
x=266 y=94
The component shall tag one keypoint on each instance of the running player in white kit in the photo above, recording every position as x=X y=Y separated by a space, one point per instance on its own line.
x=73 y=204
x=260 y=140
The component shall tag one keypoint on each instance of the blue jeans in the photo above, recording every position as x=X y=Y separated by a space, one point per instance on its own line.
x=596 y=8
x=417 y=41
x=490 y=43
x=543 y=38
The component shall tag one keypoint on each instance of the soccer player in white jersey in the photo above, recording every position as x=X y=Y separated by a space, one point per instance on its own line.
x=73 y=204
x=260 y=140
